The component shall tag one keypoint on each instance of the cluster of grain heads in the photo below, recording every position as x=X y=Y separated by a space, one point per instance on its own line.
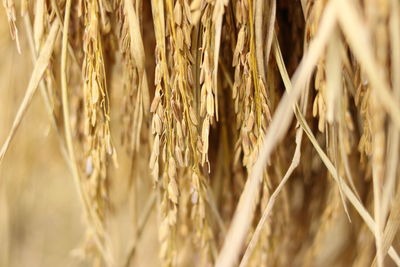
x=97 y=143
x=177 y=136
x=204 y=96
x=249 y=92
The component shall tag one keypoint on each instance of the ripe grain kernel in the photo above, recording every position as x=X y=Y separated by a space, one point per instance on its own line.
x=178 y=13
x=173 y=192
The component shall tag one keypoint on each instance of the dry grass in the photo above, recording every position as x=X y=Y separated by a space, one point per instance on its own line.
x=241 y=132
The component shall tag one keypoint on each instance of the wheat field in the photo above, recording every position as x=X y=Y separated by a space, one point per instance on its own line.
x=199 y=133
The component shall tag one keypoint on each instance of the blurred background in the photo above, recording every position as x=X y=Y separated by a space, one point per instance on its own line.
x=40 y=221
